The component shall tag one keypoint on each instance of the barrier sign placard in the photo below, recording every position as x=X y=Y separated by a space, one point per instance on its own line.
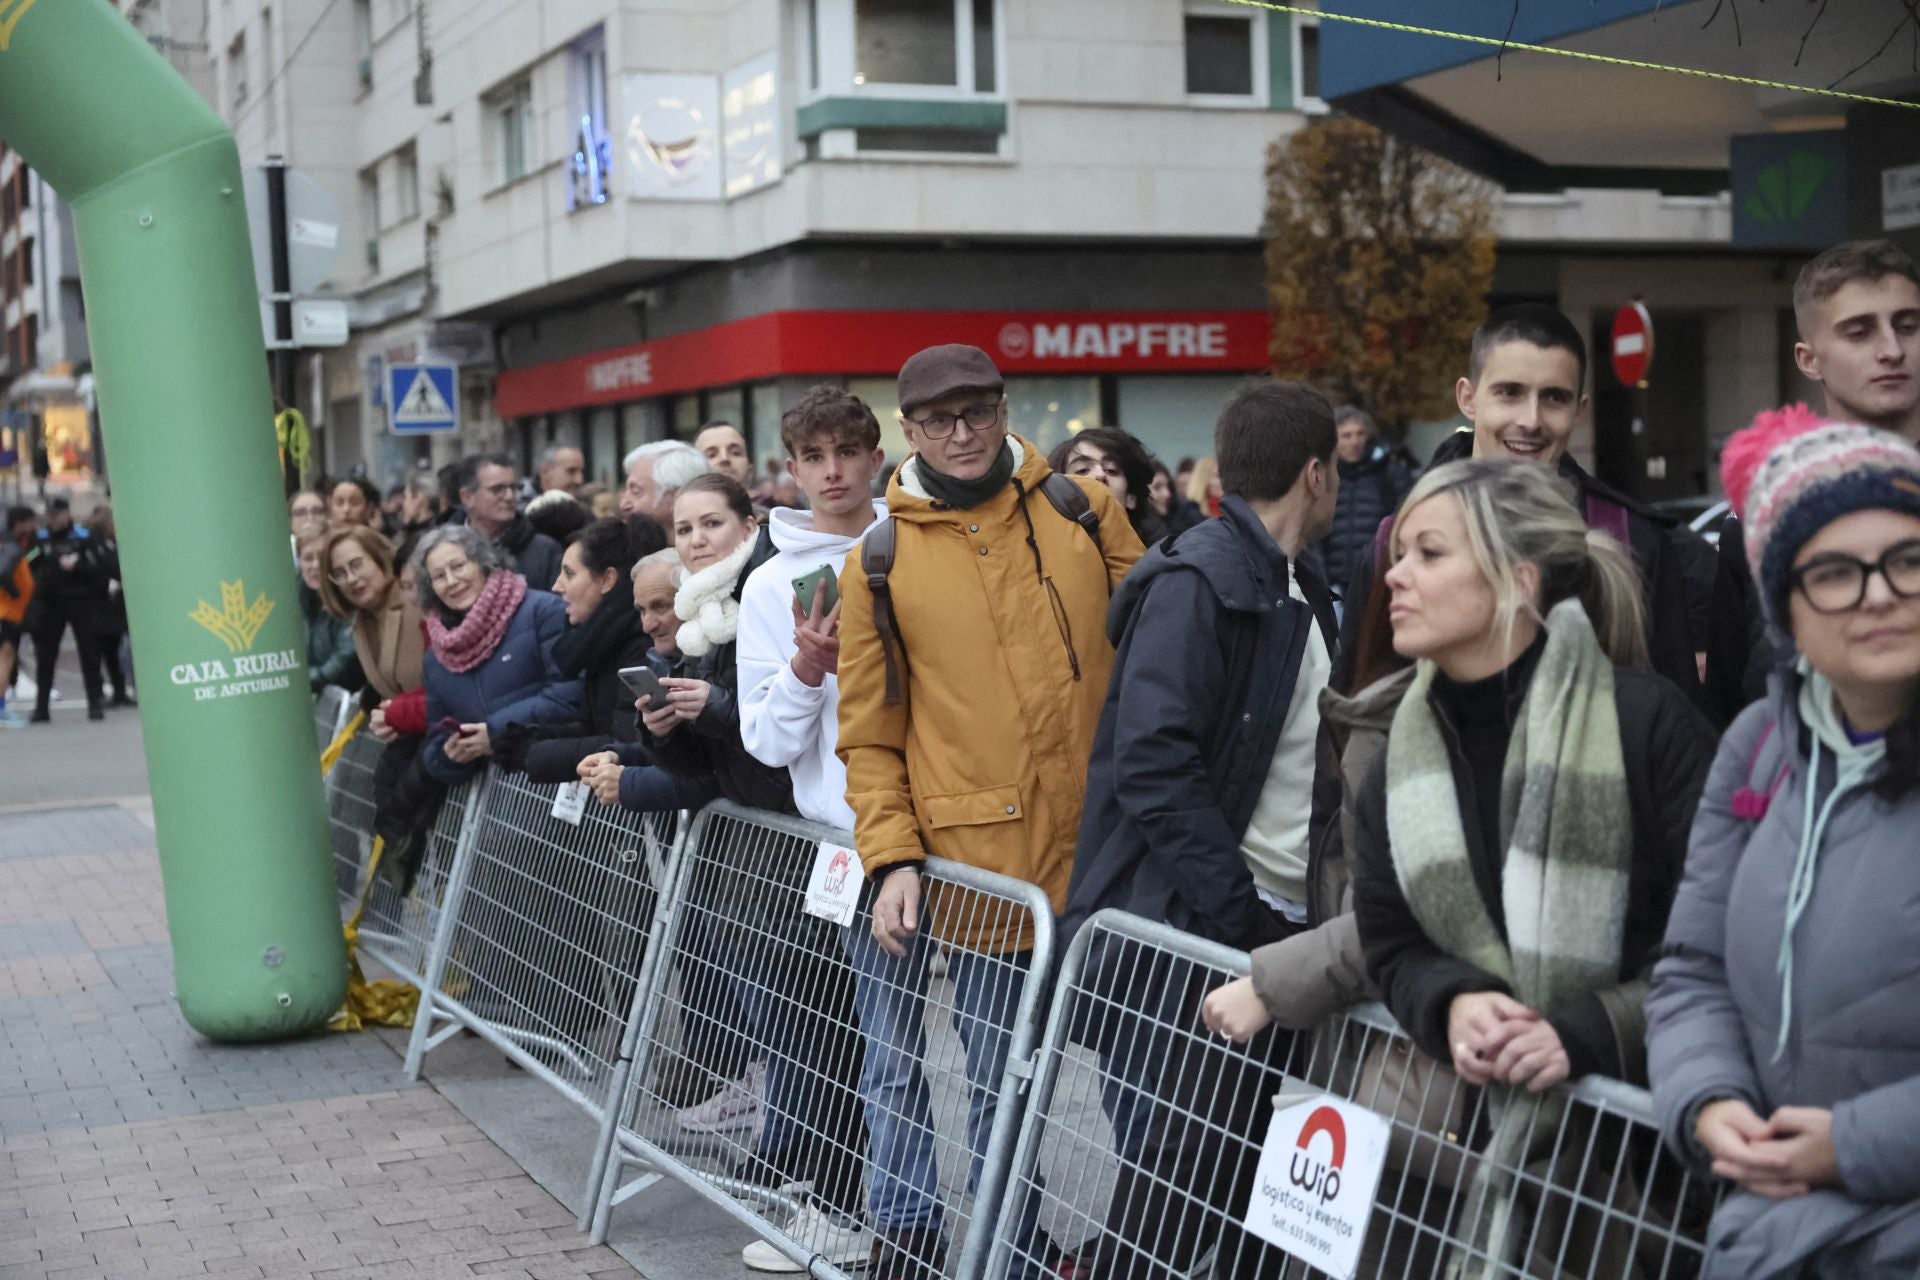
x=833 y=892
x=1313 y=1192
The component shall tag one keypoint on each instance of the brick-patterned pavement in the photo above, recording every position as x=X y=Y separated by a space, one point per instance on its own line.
x=130 y=1147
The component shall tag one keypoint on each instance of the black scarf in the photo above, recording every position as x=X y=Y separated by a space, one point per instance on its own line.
x=608 y=629
x=967 y=493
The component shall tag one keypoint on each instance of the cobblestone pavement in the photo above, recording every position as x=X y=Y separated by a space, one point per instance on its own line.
x=131 y=1147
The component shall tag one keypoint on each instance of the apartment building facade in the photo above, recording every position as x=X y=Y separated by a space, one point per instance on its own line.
x=624 y=218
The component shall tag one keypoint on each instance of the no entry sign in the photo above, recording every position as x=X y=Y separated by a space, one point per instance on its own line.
x=1632 y=344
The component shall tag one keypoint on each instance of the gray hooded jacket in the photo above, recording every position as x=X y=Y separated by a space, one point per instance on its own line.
x=1853 y=1042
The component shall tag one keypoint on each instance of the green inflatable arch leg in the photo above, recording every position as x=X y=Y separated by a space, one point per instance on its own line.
x=153 y=178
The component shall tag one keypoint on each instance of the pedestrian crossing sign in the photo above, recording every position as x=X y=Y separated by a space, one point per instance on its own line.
x=421 y=398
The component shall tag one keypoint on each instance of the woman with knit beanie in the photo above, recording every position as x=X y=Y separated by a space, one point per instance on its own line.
x=1522 y=835
x=1784 y=1031
x=489 y=660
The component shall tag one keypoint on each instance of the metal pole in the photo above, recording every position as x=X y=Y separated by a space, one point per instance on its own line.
x=283 y=390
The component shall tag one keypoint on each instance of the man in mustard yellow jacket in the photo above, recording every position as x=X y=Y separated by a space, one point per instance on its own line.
x=966 y=733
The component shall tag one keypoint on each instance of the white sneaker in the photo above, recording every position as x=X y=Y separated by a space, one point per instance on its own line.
x=735 y=1107
x=823 y=1235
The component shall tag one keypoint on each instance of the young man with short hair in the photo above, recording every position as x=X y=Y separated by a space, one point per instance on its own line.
x=1522 y=396
x=725 y=450
x=789 y=656
x=1857 y=309
x=969 y=695
x=1201 y=787
x=489 y=499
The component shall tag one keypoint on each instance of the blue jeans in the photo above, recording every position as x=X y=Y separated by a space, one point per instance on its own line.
x=890 y=992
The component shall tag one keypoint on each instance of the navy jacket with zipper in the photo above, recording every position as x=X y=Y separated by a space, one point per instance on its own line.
x=1208 y=648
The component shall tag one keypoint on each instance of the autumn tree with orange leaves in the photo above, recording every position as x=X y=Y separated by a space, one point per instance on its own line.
x=1379 y=259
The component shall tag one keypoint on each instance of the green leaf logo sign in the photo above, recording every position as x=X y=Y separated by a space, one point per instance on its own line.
x=1783 y=192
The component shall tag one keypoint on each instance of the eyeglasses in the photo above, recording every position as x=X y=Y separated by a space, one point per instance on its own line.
x=447 y=573
x=1838 y=583
x=350 y=571
x=938 y=426
x=500 y=490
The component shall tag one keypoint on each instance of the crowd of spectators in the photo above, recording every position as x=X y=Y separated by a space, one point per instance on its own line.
x=1569 y=790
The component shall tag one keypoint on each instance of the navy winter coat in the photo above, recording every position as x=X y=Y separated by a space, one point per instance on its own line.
x=1208 y=644
x=1370 y=490
x=517 y=684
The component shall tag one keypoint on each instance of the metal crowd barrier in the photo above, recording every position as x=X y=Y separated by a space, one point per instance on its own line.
x=546 y=929
x=1587 y=1191
x=331 y=711
x=399 y=928
x=621 y=965
x=735 y=948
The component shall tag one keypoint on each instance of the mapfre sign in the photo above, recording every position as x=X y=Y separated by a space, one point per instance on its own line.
x=855 y=343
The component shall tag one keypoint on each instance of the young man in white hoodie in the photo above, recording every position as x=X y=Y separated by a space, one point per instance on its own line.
x=788 y=653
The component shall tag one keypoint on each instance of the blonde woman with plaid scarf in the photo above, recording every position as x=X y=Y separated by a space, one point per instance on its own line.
x=1522 y=836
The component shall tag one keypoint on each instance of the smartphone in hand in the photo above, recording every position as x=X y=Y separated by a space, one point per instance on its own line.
x=643 y=682
x=807 y=584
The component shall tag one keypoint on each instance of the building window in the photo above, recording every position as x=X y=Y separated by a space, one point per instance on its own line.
x=592 y=149
x=406 y=182
x=363 y=43
x=1225 y=52
x=920 y=46
x=905 y=42
x=237 y=72
x=1306 y=64
x=510 y=110
x=370 y=206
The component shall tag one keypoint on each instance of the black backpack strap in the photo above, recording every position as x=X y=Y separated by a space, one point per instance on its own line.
x=876 y=561
x=1071 y=501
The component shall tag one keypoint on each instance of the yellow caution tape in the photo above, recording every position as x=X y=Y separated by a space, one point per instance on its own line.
x=1521 y=46
x=331 y=755
x=386 y=1002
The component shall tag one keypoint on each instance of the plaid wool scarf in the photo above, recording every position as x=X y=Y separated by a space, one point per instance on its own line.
x=1563 y=796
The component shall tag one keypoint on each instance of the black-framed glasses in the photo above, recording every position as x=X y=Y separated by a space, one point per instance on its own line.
x=938 y=426
x=1838 y=583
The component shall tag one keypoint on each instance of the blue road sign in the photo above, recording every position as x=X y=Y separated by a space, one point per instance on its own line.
x=422 y=398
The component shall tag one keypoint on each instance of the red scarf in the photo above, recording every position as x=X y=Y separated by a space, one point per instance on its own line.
x=466 y=646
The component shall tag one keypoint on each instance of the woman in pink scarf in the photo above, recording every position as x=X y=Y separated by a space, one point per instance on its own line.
x=489 y=656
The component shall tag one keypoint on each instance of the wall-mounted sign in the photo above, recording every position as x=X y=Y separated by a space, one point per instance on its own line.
x=819 y=343
x=1789 y=190
x=750 y=107
x=1900 y=197
x=672 y=136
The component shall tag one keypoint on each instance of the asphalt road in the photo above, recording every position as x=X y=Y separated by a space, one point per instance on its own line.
x=73 y=758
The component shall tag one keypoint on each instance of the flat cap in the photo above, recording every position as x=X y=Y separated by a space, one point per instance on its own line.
x=941 y=371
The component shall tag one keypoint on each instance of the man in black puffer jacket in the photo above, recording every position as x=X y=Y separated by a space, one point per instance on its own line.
x=1373 y=483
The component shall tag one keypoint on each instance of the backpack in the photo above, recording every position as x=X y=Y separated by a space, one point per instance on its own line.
x=878 y=549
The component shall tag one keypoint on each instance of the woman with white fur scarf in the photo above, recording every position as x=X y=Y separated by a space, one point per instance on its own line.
x=697 y=732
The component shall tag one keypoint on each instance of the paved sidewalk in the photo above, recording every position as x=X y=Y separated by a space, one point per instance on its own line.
x=129 y=1146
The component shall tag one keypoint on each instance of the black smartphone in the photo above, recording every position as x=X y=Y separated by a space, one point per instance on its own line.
x=642 y=681
x=807 y=584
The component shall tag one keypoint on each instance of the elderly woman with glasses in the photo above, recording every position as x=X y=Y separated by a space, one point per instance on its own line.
x=489 y=658
x=330 y=653
x=360 y=588
x=1782 y=1038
